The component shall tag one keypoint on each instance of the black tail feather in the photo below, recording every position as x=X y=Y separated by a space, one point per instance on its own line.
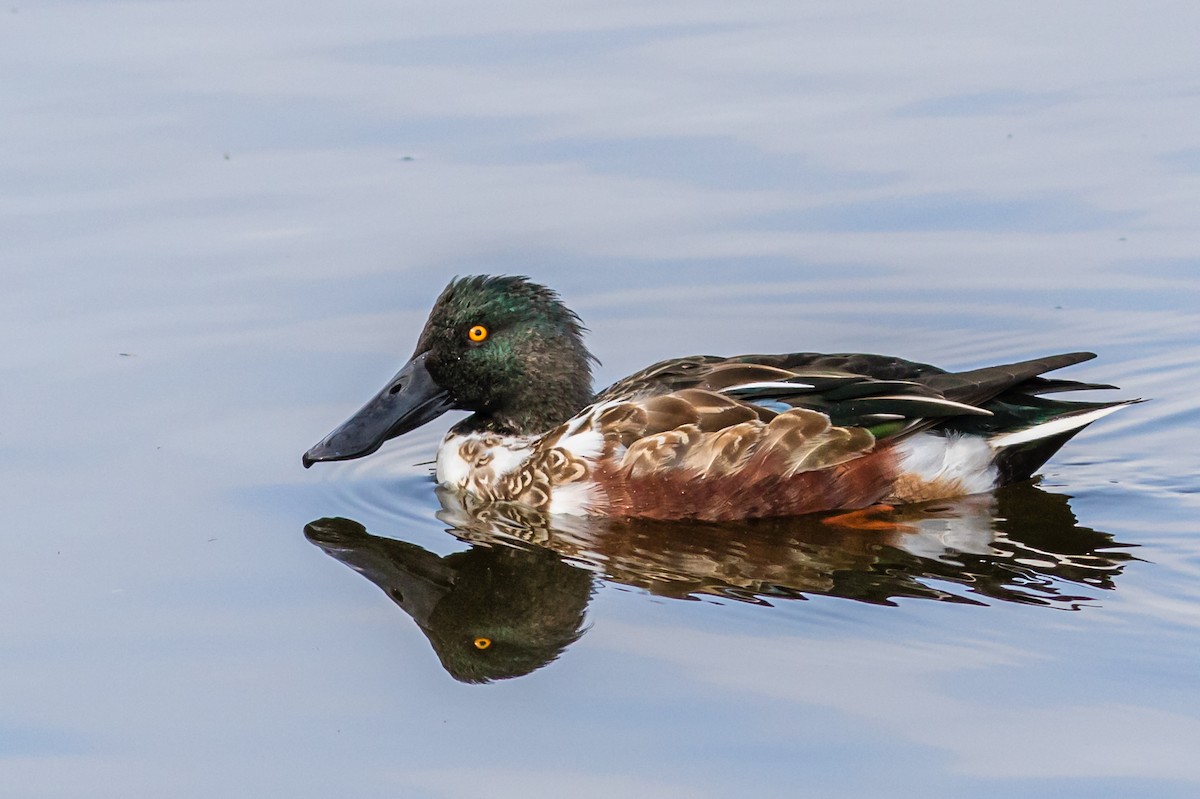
x=1019 y=462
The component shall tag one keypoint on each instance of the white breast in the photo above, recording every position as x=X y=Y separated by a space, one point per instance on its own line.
x=464 y=460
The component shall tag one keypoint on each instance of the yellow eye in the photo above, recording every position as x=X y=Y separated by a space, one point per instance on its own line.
x=483 y=643
x=477 y=334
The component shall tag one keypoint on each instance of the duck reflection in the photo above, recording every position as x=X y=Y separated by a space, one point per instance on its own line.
x=515 y=599
x=490 y=612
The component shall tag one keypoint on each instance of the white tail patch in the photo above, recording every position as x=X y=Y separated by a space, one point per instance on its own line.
x=1054 y=427
x=961 y=461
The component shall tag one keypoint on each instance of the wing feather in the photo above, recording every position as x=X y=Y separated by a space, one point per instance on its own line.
x=709 y=414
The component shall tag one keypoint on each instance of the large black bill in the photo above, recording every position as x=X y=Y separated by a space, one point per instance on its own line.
x=409 y=400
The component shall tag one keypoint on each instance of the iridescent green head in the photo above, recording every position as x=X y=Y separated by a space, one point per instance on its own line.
x=509 y=350
x=503 y=347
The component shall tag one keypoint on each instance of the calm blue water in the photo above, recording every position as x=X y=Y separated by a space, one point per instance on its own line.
x=223 y=225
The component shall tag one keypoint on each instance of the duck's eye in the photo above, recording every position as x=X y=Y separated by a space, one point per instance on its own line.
x=482 y=643
x=477 y=333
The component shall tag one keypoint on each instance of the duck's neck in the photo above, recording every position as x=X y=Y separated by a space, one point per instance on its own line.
x=540 y=406
x=543 y=400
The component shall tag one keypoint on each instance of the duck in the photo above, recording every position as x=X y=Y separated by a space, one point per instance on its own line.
x=702 y=437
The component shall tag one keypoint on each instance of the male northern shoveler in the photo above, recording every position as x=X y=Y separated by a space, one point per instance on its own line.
x=702 y=437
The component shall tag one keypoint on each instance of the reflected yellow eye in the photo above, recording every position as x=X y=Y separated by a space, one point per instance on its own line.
x=483 y=643
x=477 y=334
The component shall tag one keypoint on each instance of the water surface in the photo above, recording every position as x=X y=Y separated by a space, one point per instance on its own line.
x=223 y=225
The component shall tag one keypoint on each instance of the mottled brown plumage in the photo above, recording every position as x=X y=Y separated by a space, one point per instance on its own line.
x=697 y=454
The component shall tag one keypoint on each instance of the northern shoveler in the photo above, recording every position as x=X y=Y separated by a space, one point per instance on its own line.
x=702 y=437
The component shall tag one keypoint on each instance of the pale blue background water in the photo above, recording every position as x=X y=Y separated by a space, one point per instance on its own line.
x=222 y=225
